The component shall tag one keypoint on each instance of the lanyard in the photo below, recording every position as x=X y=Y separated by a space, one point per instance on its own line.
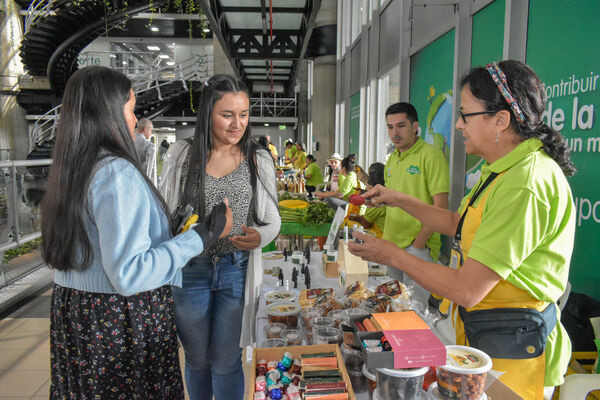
x=481 y=188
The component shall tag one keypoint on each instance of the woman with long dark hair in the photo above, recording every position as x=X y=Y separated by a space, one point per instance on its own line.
x=513 y=233
x=216 y=307
x=107 y=233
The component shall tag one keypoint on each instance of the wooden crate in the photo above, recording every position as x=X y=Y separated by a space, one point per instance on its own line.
x=275 y=354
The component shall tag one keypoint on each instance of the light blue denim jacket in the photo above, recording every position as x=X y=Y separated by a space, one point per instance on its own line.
x=129 y=233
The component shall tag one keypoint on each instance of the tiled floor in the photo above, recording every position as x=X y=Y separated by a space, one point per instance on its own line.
x=25 y=352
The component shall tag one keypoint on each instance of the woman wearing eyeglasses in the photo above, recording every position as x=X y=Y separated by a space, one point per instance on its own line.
x=513 y=233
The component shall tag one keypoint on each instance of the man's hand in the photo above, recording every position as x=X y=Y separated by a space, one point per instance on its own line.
x=250 y=241
x=379 y=196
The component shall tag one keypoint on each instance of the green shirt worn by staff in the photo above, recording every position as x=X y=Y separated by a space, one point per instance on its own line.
x=316 y=177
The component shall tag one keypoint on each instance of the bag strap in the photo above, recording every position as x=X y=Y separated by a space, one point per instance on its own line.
x=481 y=188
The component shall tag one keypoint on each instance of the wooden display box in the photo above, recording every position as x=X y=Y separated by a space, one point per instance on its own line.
x=351 y=268
x=330 y=269
x=275 y=353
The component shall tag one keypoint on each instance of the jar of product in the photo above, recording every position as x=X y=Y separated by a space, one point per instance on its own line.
x=274 y=330
x=284 y=312
x=293 y=337
x=321 y=322
x=275 y=342
x=339 y=317
x=465 y=373
x=400 y=384
x=327 y=335
x=371 y=379
x=280 y=295
x=309 y=313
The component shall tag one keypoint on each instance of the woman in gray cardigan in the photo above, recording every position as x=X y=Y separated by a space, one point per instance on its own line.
x=215 y=308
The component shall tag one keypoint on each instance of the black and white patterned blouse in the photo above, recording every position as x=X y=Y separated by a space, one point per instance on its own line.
x=234 y=186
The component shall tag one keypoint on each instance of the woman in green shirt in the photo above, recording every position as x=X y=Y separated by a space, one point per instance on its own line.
x=312 y=175
x=340 y=196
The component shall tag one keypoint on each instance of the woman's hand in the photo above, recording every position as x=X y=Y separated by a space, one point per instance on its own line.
x=319 y=195
x=229 y=222
x=372 y=249
x=249 y=241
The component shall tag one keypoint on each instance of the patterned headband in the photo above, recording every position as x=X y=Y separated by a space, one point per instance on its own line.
x=500 y=81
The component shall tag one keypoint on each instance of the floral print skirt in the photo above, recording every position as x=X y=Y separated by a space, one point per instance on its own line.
x=108 y=346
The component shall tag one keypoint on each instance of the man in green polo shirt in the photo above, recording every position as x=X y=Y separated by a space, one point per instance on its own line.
x=420 y=170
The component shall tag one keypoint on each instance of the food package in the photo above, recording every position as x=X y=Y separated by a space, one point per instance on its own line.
x=309 y=296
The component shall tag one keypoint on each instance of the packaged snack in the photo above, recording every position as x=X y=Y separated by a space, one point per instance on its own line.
x=284 y=312
x=308 y=297
x=309 y=313
x=464 y=375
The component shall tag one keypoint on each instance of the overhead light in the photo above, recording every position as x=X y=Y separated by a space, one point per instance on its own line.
x=266 y=124
x=171 y=63
x=153 y=48
x=154 y=29
x=113 y=56
x=124 y=62
x=206 y=30
x=184 y=123
x=163 y=56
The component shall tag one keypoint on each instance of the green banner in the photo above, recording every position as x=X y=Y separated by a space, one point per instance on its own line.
x=562 y=47
x=431 y=90
x=486 y=46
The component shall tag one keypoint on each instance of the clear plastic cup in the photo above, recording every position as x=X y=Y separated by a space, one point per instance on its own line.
x=327 y=335
x=274 y=330
x=321 y=322
x=275 y=342
x=293 y=337
x=400 y=384
x=309 y=313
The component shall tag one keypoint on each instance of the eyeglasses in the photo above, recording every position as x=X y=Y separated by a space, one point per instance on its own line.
x=464 y=116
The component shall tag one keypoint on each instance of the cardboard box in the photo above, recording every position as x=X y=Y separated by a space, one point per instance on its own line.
x=413 y=343
x=275 y=353
x=351 y=268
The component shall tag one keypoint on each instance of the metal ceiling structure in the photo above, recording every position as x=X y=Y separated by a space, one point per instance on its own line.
x=265 y=40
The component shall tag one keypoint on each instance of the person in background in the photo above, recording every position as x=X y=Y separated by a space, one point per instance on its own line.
x=164 y=146
x=108 y=236
x=145 y=149
x=272 y=148
x=420 y=170
x=513 y=233
x=299 y=159
x=290 y=151
x=339 y=197
x=313 y=175
x=374 y=217
x=216 y=307
x=361 y=174
x=264 y=143
x=332 y=172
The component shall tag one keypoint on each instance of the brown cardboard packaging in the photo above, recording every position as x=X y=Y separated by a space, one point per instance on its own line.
x=351 y=268
x=275 y=353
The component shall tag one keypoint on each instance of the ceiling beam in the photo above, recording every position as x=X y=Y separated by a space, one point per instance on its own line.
x=289 y=10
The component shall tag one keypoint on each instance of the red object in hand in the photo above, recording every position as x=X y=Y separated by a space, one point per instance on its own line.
x=357 y=200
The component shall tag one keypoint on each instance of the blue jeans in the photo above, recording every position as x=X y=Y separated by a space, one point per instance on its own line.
x=208 y=314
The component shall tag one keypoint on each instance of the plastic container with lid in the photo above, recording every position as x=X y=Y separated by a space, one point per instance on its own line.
x=321 y=322
x=371 y=379
x=293 y=337
x=434 y=394
x=280 y=295
x=339 y=317
x=275 y=342
x=327 y=335
x=284 y=312
x=309 y=313
x=274 y=330
x=464 y=375
x=400 y=384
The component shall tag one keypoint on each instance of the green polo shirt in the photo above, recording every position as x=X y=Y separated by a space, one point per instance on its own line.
x=422 y=172
x=377 y=215
x=348 y=184
x=527 y=232
x=316 y=177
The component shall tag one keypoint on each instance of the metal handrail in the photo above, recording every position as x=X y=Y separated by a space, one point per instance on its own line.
x=45 y=127
x=16 y=238
x=273 y=106
x=37 y=10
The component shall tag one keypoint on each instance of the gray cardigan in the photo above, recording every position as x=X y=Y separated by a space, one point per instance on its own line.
x=268 y=212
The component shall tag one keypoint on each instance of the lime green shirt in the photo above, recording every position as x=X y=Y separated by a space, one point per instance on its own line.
x=422 y=172
x=527 y=232
x=347 y=185
x=377 y=215
x=316 y=177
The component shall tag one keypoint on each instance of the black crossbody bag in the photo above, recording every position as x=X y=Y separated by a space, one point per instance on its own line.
x=509 y=333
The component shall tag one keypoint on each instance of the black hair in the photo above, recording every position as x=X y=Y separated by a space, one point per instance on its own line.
x=403 y=108
x=376 y=174
x=311 y=158
x=528 y=90
x=91 y=127
x=202 y=145
x=264 y=142
x=348 y=164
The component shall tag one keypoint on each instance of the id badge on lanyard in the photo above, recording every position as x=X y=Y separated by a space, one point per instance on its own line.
x=456 y=256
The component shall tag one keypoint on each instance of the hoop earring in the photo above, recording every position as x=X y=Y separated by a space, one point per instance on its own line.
x=497 y=138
